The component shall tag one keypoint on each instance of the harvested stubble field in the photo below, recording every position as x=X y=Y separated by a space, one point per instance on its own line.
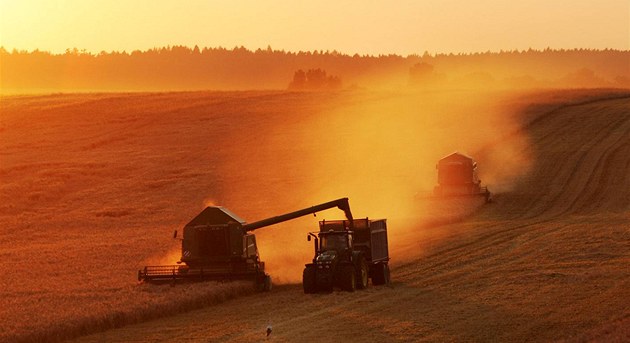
x=92 y=186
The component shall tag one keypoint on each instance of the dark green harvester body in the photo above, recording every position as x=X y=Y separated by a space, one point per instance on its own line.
x=214 y=236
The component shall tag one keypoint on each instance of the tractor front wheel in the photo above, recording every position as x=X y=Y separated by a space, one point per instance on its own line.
x=348 y=280
x=309 y=281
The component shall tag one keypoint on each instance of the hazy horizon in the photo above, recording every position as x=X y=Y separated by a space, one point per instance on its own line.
x=183 y=68
x=80 y=50
x=352 y=27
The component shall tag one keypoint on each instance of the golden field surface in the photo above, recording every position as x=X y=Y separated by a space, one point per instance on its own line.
x=92 y=186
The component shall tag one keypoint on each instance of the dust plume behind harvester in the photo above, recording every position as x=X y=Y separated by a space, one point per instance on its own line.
x=457 y=177
x=218 y=245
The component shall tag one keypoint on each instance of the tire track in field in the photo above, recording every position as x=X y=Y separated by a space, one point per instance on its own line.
x=610 y=183
x=562 y=127
x=548 y=188
x=455 y=252
x=596 y=181
x=573 y=162
x=585 y=167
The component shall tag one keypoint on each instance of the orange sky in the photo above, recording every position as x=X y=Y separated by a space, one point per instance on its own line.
x=364 y=27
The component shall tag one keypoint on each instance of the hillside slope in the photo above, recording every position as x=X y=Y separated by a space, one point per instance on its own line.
x=93 y=185
x=547 y=261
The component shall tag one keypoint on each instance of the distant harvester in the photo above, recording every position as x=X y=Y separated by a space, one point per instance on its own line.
x=457 y=176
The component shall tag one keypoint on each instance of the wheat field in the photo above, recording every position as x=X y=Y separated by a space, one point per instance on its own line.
x=93 y=185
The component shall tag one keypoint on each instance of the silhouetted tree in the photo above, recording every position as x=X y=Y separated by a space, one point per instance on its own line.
x=299 y=80
x=314 y=79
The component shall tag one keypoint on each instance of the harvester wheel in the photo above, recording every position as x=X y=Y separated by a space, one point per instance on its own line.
x=309 y=281
x=262 y=283
x=267 y=284
x=362 y=274
x=348 y=279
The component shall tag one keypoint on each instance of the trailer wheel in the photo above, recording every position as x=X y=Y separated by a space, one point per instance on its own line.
x=267 y=285
x=348 y=280
x=386 y=273
x=381 y=274
x=309 y=282
x=362 y=274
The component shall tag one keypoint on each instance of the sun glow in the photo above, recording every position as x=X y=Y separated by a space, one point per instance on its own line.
x=405 y=27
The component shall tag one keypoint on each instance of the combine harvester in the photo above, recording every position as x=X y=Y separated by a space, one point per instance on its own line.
x=457 y=177
x=218 y=245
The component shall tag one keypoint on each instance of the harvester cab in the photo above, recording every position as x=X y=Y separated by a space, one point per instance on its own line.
x=219 y=245
x=205 y=237
x=347 y=255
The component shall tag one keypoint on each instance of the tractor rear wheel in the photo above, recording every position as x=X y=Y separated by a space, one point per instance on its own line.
x=347 y=279
x=362 y=274
x=309 y=281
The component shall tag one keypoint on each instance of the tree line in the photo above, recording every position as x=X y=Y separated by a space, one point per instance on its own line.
x=185 y=68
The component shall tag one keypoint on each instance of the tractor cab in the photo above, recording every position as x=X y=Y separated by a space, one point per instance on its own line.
x=335 y=240
x=332 y=246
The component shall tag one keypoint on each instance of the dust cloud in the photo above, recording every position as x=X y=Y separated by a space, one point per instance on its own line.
x=294 y=150
x=209 y=202
x=171 y=257
x=381 y=152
